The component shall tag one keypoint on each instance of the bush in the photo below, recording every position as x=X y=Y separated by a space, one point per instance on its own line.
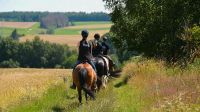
x=50 y=31
x=9 y=64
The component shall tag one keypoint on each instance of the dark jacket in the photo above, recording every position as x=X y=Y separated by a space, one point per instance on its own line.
x=97 y=50
x=84 y=51
x=105 y=48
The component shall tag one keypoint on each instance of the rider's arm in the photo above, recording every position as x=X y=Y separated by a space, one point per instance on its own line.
x=78 y=44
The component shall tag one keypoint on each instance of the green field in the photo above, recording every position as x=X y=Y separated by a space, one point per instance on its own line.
x=35 y=29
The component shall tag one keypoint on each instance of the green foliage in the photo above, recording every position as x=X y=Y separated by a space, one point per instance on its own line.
x=54 y=21
x=37 y=16
x=50 y=31
x=153 y=28
x=9 y=64
x=14 y=35
x=35 y=54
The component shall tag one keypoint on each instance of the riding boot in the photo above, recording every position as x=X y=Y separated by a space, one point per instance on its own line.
x=73 y=86
x=93 y=66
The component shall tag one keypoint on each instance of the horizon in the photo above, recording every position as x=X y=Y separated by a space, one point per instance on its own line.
x=57 y=12
x=53 y=6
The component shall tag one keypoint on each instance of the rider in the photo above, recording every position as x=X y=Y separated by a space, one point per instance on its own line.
x=106 y=48
x=84 y=52
x=97 y=47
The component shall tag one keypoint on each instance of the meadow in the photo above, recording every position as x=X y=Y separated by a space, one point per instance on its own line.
x=145 y=85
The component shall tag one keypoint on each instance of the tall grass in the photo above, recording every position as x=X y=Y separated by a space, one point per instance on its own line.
x=162 y=88
x=146 y=85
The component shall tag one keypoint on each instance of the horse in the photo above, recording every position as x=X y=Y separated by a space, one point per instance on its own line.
x=104 y=70
x=84 y=77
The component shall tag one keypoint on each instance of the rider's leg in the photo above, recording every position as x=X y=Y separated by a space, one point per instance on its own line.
x=73 y=86
x=93 y=66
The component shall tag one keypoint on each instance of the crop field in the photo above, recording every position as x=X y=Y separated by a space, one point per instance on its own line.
x=17 y=24
x=34 y=29
x=68 y=35
x=70 y=40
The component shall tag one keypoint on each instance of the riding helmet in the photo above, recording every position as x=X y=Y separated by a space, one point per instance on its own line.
x=84 y=33
x=97 y=36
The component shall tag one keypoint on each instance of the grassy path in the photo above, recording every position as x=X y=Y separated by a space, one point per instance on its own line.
x=117 y=97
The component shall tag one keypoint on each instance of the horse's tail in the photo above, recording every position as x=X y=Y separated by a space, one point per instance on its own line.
x=83 y=83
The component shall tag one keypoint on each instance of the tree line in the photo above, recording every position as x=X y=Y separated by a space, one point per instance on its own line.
x=163 y=29
x=35 y=54
x=37 y=16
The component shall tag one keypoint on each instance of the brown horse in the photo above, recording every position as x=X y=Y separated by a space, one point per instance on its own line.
x=84 y=77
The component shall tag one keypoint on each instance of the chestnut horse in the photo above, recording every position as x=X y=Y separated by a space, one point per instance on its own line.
x=84 y=77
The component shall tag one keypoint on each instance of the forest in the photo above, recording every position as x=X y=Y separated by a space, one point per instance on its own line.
x=37 y=16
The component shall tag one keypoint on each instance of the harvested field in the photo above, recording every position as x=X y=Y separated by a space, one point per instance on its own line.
x=70 y=40
x=17 y=24
x=17 y=85
x=90 y=26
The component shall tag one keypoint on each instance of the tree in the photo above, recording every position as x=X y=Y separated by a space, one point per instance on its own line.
x=153 y=28
x=15 y=35
x=54 y=21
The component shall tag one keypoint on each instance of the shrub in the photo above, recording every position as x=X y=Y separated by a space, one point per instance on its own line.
x=50 y=31
x=9 y=64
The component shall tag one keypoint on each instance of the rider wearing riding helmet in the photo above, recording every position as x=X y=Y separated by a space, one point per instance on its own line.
x=97 y=47
x=105 y=46
x=84 y=52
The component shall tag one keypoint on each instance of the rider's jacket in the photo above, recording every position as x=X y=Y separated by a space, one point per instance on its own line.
x=97 y=50
x=84 y=51
x=105 y=48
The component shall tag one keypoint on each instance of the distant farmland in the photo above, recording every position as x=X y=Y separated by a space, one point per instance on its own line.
x=67 y=35
x=17 y=24
x=70 y=40
x=71 y=35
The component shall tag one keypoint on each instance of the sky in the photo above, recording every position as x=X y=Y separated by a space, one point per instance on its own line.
x=53 y=5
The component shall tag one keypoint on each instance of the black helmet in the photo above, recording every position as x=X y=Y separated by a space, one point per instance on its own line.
x=105 y=38
x=97 y=36
x=84 y=33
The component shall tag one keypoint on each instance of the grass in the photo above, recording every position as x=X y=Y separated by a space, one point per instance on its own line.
x=35 y=29
x=146 y=85
x=21 y=85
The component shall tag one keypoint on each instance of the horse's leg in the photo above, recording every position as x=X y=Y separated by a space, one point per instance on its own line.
x=103 y=78
x=86 y=96
x=79 y=95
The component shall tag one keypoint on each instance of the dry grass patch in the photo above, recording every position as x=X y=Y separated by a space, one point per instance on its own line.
x=165 y=89
x=17 y=24
x=90 y=26
x=18 y=85
x=70 y=40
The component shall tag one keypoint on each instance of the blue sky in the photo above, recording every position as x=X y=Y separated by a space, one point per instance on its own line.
x=52 y=5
